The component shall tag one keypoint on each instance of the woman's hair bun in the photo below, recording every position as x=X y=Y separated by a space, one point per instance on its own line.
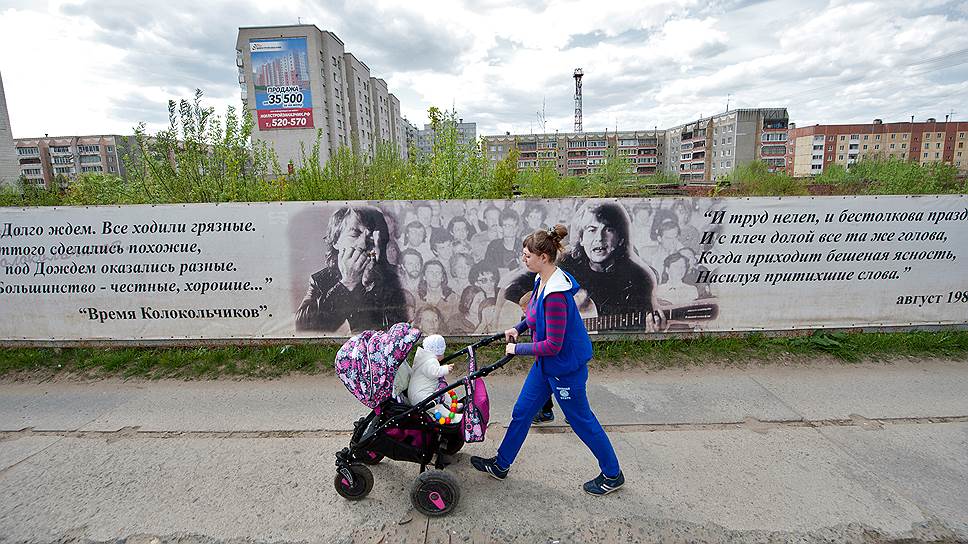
x=559 y=231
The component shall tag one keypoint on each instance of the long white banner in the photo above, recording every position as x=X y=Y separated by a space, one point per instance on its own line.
x=327 y=269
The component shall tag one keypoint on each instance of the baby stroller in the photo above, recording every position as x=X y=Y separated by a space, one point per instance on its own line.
x=367 y=364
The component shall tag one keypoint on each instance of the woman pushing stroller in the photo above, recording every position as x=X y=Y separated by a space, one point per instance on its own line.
x=562 y=349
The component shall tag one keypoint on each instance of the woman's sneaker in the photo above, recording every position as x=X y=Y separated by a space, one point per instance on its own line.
x=489 y=466
x=543 y=417
x=603 y=486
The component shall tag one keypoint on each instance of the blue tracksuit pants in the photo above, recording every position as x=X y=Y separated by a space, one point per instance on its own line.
x=573 y=401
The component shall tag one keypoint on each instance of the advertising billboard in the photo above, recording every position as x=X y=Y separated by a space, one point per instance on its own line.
x=280 y=72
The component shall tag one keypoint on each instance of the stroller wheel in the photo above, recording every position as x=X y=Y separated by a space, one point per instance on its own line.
x=369 y=457
x=361 y=486
x=435 y=493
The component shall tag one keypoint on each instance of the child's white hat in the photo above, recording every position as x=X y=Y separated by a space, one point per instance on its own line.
x=435 y=344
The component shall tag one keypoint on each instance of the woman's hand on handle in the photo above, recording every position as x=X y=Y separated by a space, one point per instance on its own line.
x=511 y=335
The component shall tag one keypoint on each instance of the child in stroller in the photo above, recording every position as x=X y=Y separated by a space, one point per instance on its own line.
x=427 y=376
x=367 y=364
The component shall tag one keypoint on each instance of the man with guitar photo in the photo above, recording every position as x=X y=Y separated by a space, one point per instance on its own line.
x=617 y=293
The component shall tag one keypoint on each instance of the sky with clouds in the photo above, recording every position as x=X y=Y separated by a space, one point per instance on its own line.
x=102 y=66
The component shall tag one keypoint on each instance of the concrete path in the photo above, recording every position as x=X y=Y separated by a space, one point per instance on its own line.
x=815 y=453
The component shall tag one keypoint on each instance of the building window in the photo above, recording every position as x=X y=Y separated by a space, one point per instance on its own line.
x=28 y=151
x=877 y=136
x=866 y=136
x=903 y=146
x=893 y=136
x=842 y=137
x=840 y=157
x=925 y=155
x=892 y=146
x=937 y=155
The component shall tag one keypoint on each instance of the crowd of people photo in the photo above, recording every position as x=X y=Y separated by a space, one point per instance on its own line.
x=454 y=267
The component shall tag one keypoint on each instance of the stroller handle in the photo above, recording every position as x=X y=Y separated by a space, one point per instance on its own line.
x=480 y=343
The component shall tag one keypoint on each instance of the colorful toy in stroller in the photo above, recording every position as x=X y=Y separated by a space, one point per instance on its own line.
x=367 y=364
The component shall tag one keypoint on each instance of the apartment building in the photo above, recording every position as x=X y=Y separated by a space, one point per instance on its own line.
x=580 y=154
x=705 y=150
x=410 y=134
x=398 y=127
x=9 y=168
x=812 y=149
x=466 y=135
x=56 y=161
x=298 y=80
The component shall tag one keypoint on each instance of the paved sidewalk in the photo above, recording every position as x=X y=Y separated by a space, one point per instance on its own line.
x=856 y=453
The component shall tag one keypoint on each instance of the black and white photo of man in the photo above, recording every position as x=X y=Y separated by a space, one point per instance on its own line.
x=357 y=288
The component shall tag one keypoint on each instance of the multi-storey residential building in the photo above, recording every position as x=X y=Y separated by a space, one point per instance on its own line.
x=579 y=154
x=58 y=160
x=814 y=148
x=410 y=133
x=382 y=112
x=466 y=135
x=361 y=118
x=398 y=127
x=9 y=169
x=707 y=149
x=297 y=80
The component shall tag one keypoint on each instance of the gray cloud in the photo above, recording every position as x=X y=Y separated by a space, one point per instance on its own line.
x=827 y=61
x=394 y=41
x=140 y=108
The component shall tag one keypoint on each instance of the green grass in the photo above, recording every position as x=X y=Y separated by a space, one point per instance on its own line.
x=276 y=361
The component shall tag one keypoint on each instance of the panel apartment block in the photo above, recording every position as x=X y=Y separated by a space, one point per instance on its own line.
x=382 y=114
x=9 y=169
x=361 y=114
x=574 y=154
x=343 y=110
x=398 y=127
x=709 y=148
x=58 y=160
x=816 y=147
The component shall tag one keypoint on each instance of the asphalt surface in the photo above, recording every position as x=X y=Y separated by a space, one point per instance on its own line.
x=805 y=453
